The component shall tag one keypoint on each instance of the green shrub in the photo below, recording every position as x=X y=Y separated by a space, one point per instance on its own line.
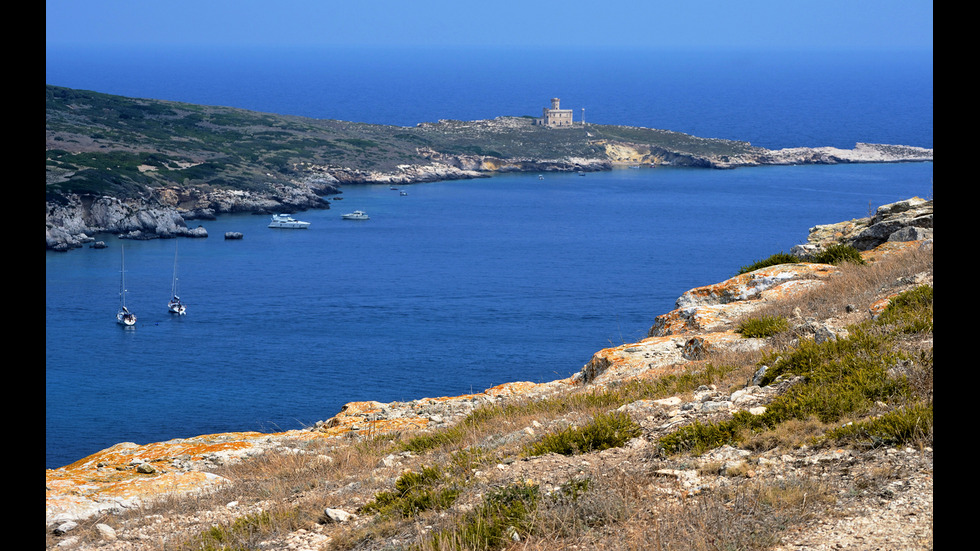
x=699 y=437
x=575 y=488
x=359 y=142
x=774 y=260
x=835 y=254
x=605 y=430
x=503 y=513
x=243 y=530
x=841 y=377
x=895 y=427
x=762 y=327
x=414 y=493
x=911 y=311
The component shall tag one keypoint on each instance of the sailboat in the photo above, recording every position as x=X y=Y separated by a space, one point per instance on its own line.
x=124 y=316
x=175 y=306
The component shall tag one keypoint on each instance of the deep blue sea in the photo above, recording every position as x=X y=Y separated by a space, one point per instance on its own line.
x=458 y=286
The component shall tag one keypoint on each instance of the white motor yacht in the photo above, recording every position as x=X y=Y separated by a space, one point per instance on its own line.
x=356 y=215
x=287 y=221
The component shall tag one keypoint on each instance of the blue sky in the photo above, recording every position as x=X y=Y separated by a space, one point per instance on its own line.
x=651 y=24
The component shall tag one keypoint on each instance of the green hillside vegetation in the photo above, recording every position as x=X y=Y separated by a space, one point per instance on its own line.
x=105 y=144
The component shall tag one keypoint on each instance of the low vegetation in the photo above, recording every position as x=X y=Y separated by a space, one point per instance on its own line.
x=762 y=327
x=603 y=431
x=774 y=260
x=841 y=379
x=414 y=493
x=836 y=254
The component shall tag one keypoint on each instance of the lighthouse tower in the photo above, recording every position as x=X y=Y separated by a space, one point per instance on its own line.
x=555 y=116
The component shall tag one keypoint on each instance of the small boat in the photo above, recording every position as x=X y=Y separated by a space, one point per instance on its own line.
x=540 y=177
x=287 y=221
x=124 y=317
x=175 y=306
x=356 y=215
x=403 y=193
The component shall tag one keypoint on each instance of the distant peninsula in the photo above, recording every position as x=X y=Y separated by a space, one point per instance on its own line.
x=143 y=168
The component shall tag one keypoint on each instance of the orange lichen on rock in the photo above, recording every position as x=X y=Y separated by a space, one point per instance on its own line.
x=628 y=360
x=754 y=284
x=192 y=448
x=891 y=247
x=124 y=474
x=714 y=307
x=80 y=497
x=374 y=418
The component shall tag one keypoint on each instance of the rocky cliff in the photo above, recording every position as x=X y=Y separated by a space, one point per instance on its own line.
x=72 y=221
x=895 y=514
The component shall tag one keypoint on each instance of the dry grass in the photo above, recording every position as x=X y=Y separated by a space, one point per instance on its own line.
x=855 y=287
x=627 y=512
x=789 y=435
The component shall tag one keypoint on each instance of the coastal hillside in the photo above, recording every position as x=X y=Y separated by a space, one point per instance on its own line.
x=143 y=168
x=787 y=407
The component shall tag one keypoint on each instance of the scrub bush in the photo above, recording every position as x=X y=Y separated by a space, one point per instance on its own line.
x=760 y=328
x=836 y=254
x=774 y=260
x=414 y=493
x=605 y=430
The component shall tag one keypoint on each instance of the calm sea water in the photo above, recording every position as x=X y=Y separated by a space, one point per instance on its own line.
x=457 y=286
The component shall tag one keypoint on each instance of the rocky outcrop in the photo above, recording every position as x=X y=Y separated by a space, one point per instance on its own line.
x=902 y=221
x=484 y=165
x=645 y=154
x=119 y=477
x=403 y=174
x=862 y=153
x=70 y=225
x=71 y=222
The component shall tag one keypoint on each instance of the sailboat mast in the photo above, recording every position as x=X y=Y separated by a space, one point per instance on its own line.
x=122 y=277
x=174 y=286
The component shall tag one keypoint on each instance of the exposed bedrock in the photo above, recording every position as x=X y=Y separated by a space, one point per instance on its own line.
x=908 y=220
x=72 y=222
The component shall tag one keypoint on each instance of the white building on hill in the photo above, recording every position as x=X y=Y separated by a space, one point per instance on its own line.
x=555 y=116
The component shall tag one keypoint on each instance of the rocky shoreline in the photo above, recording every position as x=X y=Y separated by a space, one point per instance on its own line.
x=72 y=223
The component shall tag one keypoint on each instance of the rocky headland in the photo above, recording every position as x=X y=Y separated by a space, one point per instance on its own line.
x=879 y=497
x=143 y=169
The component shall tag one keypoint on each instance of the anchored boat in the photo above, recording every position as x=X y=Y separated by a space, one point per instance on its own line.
x=124 y=317
x=356 y=215
x=175 y=306
x=287 y=221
